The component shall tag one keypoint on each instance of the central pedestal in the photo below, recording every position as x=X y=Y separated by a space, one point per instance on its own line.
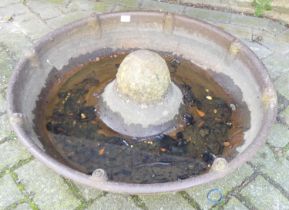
x=142 y=101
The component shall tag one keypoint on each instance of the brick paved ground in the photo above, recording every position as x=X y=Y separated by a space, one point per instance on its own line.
x=279 y=9
x=25 y=183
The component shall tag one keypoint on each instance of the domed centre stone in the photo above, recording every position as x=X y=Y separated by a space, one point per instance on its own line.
x=143 y=77
x=142 y=101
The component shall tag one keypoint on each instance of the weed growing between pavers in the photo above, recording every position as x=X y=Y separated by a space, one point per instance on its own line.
x=261 y=6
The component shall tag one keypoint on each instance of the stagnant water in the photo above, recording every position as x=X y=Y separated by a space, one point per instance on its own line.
x=68 y=125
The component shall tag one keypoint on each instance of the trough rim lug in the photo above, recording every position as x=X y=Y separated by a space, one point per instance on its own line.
x=99 y=175
x=16 y=118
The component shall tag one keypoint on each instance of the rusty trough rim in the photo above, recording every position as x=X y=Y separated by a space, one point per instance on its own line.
x=119 y=187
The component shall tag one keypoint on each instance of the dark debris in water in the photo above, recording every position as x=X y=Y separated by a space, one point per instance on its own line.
x=208 y=157
x=188 y=96
x=86 y=143
x=188 y=119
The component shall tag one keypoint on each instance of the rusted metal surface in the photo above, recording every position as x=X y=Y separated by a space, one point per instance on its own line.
x=195 y=40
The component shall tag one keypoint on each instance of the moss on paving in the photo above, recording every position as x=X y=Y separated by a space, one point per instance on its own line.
x=190 y=200
x=138 y=202
x=21 y=188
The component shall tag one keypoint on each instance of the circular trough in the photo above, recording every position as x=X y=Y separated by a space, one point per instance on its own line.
x=233 y=65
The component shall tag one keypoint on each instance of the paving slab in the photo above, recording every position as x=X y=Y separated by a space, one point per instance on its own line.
x=114 y=202
x=31 y=26
x=225 y=185
x=263 y=195
x=277 y=64
x=23 y=206
x=5 y=3
x=273 y=164
x=260 y=50
x=235 y=204
x=279 y=135
x=169 y=201
x=3 y=102
x=43 y=9
x=62 y=20
x=156 y=5
x=89 y=193
x=209 y=16
x=284 y=116
x=49 y=189
x=12 y=10
x=9 y=192
x=282 y=85
x=14 y=41
x=11 y=153
x=6 y=66
x=5 y=128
